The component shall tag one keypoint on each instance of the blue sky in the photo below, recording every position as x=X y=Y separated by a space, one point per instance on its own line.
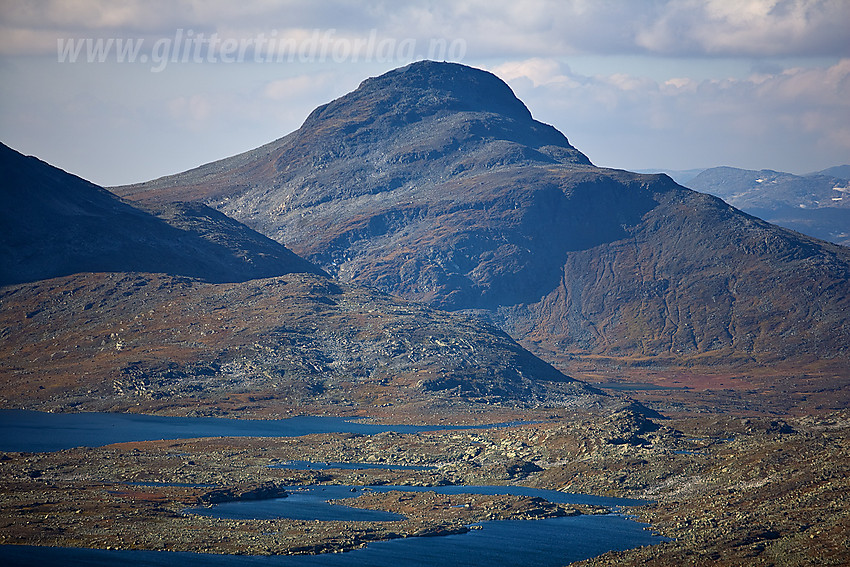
x=634 y=84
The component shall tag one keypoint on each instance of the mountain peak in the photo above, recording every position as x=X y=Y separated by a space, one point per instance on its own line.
x=425 y=120
x=427 y=88
x=451 y=86
x=467 y=104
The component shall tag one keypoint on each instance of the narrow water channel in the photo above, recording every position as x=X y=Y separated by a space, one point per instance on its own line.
x=22 y=430
x=538 y=543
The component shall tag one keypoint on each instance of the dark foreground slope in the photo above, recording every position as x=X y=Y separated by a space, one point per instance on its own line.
x=56 y=224
x=139 y=333
x=434 y=182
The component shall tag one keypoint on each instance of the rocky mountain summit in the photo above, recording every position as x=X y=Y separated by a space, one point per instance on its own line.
x=435 y=183
x=419 y=124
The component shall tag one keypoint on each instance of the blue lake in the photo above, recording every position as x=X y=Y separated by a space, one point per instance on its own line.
x=554 y=542
x=303 y=503
x=22 y=430
x=539 y=543
x=312 y=502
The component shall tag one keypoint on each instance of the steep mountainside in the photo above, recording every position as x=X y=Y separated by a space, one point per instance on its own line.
x=435 y=183
x=57 y=224
x=126 y=338
x=817 y=205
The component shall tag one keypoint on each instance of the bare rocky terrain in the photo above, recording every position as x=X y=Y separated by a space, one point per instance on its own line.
x=267 y=347
x=644 y=340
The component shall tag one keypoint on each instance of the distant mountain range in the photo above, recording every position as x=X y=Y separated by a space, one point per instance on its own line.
x=434 y=182
x=840 y=171
x=817 y=204
x=178 y=308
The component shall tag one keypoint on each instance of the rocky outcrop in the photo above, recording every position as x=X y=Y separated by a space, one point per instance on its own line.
x=149 y=342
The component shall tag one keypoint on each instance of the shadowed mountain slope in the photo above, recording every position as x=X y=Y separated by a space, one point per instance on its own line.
x=55 y=224
x=434 y=182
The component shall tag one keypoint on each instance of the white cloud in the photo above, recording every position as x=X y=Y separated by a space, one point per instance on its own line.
x=747 y=28
x=491 y=28
x=539 y=71
x=679 y=84
x=782 y=121
x=193 y=111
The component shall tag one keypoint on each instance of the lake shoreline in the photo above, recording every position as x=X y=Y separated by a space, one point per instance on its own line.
x=162 y=494
x=724 y=487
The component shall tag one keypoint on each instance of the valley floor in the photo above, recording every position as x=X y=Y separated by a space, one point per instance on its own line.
x=726 y=490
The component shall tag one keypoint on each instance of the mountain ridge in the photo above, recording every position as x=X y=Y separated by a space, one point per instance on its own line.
x=492 y=212
x=840 y=171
